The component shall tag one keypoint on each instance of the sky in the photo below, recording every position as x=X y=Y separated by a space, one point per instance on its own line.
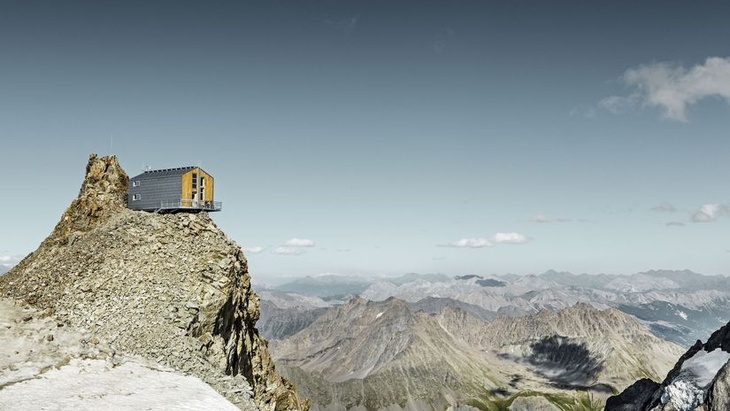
x=381 y=138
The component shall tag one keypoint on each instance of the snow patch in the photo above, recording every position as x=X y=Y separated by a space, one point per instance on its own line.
x=688 y=389
x=380 y=314
x=85 y=385
x=682 y=314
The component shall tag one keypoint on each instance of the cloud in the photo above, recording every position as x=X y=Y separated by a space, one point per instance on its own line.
x=708 y=213
x=672 y=87
x=287 y=251
x=8 y=260
x=509 y=238
x=253 y=250
x=299 y=242
x=618 y=104
x=674 y=224
x=481 y=242
x=542 y=219
x=469 y=243
x=664 y=207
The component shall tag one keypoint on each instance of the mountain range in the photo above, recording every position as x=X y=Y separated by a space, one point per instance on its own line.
x=679 y=306
x=393 y=354
x=554 y=341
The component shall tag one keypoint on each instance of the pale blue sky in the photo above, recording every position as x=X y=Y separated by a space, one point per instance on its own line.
x=396 y=136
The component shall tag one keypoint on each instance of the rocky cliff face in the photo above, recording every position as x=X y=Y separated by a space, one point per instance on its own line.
x=172 y=288
x=699 y=381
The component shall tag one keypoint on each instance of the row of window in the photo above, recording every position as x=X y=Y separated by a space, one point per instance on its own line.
x=137 y=197
x=136 y=183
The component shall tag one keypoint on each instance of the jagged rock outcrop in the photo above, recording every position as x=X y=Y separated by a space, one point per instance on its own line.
x=172 y=288
x=633 y=398
x=698 y=381
x=719 y=394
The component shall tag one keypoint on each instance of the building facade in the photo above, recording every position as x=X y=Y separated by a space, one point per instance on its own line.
x=172 y=190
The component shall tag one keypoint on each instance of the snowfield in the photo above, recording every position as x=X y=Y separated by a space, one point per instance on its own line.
x=47 y=366
x=93 y=385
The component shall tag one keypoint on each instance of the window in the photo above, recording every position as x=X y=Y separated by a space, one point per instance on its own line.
x=195 y=180
x=136 y=197
x=202 y=181
x=135 y=183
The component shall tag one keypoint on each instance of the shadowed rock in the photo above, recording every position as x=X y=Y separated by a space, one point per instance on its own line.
x=564 y=362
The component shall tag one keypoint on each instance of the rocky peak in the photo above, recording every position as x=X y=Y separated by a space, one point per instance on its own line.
x=102 y=194
x=172 y=288
x=700 y=380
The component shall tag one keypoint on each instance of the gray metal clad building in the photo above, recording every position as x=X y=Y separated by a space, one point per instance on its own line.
x=172 y=189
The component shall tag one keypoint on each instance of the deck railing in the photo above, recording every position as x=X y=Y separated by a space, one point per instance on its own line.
x=190 y=205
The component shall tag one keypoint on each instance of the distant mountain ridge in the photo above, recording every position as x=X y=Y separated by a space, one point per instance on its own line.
x=680 y=306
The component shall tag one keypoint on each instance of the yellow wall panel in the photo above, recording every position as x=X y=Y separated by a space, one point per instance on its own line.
x=203 y=177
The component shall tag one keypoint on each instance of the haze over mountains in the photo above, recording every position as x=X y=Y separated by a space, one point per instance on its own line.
x=680 y=306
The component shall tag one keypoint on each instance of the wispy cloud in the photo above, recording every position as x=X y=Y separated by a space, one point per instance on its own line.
x=709 y=213
x=664 y=208
x=672 y=87
x=469 y=243
x=299 y=242
x=287 y=251
x=509 y=238
x=674 y=224
x=543 y=219
x=8 y=260
x=481 y=242
x=252 y=250
x=619 y=104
